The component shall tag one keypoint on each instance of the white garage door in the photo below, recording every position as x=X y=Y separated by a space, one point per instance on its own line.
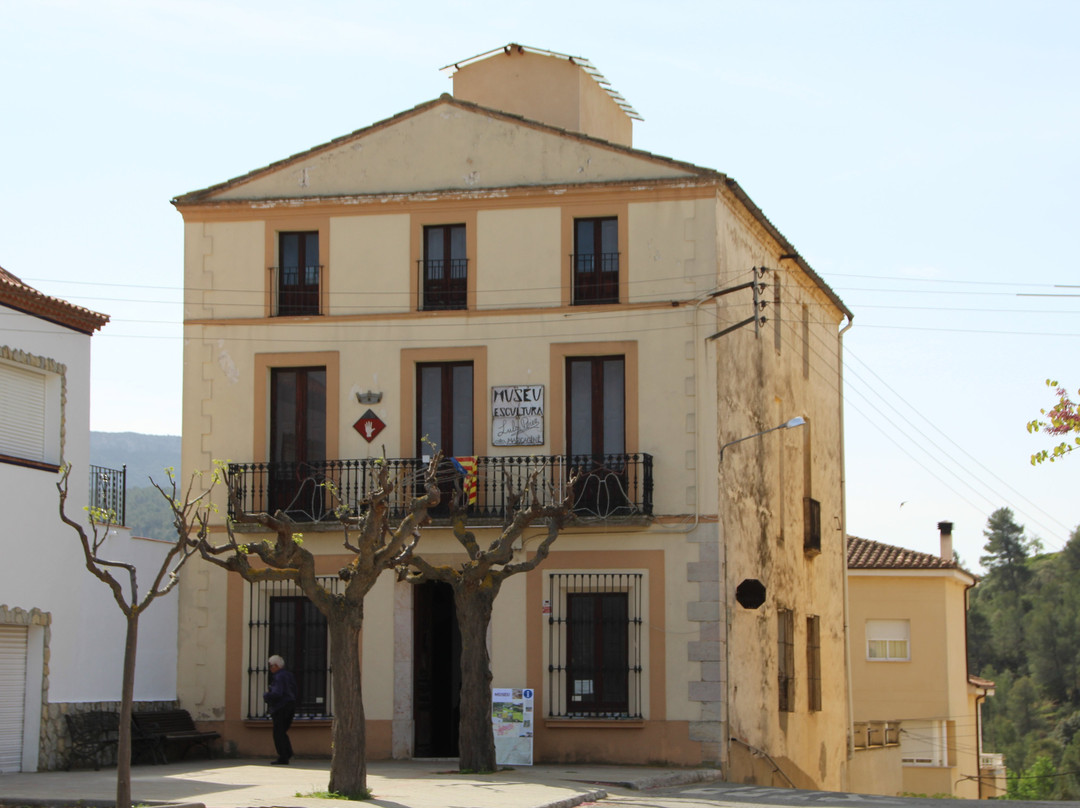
x=12 y=696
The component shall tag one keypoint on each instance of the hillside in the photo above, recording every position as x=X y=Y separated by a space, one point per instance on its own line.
x=146 y=456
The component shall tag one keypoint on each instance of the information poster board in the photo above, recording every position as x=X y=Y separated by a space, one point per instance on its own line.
x=512 y=722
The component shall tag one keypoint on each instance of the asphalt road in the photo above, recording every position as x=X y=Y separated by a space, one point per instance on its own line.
x=730 y=794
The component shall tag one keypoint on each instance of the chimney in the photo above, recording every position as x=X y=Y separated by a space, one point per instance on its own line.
x=946 y=540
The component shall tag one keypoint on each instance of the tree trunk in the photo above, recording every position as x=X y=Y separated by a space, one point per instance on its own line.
x=348 y=763
x=127 y=695
x=476 y=740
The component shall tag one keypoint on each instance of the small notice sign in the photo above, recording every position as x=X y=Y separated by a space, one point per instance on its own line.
x=517 y=415
x=512 y=725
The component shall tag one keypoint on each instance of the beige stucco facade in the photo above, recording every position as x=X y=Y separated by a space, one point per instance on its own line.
x=708 y=666
x=924 y=685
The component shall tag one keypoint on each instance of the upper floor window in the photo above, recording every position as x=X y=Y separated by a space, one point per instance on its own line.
x=298 y=274
x=29 y=429
x=444 y=268
x=596 y=260
x=888 y=640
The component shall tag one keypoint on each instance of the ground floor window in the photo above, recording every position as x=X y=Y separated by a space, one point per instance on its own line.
x=925 y=743
x=785 y=659
x=284 y=622
x=594 y=644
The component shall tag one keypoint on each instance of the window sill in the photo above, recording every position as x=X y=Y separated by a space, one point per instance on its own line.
x=30 y=464
x=266 y=723
x=594 y=723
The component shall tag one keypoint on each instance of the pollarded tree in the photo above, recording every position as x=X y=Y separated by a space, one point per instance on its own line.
x=1062 y=419
x=476 y=583
x=378 y=546
x=189 y=518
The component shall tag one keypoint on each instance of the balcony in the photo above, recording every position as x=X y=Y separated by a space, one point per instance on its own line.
x=108 y=492
x=296 y=290
x=444 y=283
x=611 y=488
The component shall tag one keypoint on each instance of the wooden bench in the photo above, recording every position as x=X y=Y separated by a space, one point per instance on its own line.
x=92 y=735
x=97 y=732
x=173 y=728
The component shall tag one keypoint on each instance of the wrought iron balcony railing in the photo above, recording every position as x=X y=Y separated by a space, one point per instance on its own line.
x=108 y=492
x=295 y=290
x=616 y=486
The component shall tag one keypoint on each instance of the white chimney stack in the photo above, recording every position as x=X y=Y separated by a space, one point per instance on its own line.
x=946 y=540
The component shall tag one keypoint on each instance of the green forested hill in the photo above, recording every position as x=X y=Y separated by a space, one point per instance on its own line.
x=1024 y=634
x=146 y=456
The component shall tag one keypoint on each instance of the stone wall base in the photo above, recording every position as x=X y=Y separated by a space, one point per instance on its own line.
x=55 y=741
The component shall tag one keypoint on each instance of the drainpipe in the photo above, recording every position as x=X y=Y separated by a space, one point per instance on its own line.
x=843 y=539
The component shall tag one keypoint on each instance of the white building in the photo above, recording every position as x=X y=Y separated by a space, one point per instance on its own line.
x=61 y=633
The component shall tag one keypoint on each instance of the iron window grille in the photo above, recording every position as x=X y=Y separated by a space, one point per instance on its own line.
x=813 y=662
x=444 y=268
x=785 y=659
x=595 y=645
x=283 y=621
x=811 y=526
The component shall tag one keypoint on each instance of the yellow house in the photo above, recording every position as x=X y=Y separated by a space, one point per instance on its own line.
x=908 y=627
x=500 y=273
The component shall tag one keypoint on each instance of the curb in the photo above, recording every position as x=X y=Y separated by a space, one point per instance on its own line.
x=578 y=799
x=671 y=779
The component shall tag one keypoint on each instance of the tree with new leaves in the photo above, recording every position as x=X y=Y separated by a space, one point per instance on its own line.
x=476 y=583
x=1061 y=419
x=376 y=545
x=189 y=518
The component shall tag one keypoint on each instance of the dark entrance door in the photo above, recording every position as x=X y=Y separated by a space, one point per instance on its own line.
x=436 y=671
x=444 y=417
x=297 y=440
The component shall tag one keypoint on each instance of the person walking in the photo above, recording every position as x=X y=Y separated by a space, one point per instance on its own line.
x=281 y=700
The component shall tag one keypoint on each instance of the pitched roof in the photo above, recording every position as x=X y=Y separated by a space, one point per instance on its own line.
x=18 y=295
x=978 y=681
x=206 y=195
x=864 y=554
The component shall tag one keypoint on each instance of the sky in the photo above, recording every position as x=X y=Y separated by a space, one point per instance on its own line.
x=921 y=156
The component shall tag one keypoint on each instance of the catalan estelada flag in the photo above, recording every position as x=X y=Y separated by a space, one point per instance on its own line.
x=466 y=466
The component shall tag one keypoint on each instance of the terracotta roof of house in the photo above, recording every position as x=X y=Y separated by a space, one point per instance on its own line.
x=205 y=195
x=864 y=554
x=18 y=295
x=978 y=681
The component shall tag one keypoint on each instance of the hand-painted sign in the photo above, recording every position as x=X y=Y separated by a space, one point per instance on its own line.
x=517 y=415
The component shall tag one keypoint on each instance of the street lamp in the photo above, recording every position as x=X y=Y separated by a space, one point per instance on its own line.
x=798 y=420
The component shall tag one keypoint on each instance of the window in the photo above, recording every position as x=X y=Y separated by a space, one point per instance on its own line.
x=785 y=658
x=596 y=432
x=298 y=274
x=925 y=743
x=596 y=260
x=283 y=621
x=813 y=662
x=811 y=526
x=888 y=640
x=444 y=268
x=444 y=418
x=30 y=401
x=595 y=644
x=297 y=441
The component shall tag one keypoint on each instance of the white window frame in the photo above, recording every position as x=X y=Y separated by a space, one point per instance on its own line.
x=888 y=640
x=924 y=743
x=31 y=390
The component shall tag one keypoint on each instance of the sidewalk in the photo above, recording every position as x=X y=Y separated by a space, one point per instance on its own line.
x=394 y=784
